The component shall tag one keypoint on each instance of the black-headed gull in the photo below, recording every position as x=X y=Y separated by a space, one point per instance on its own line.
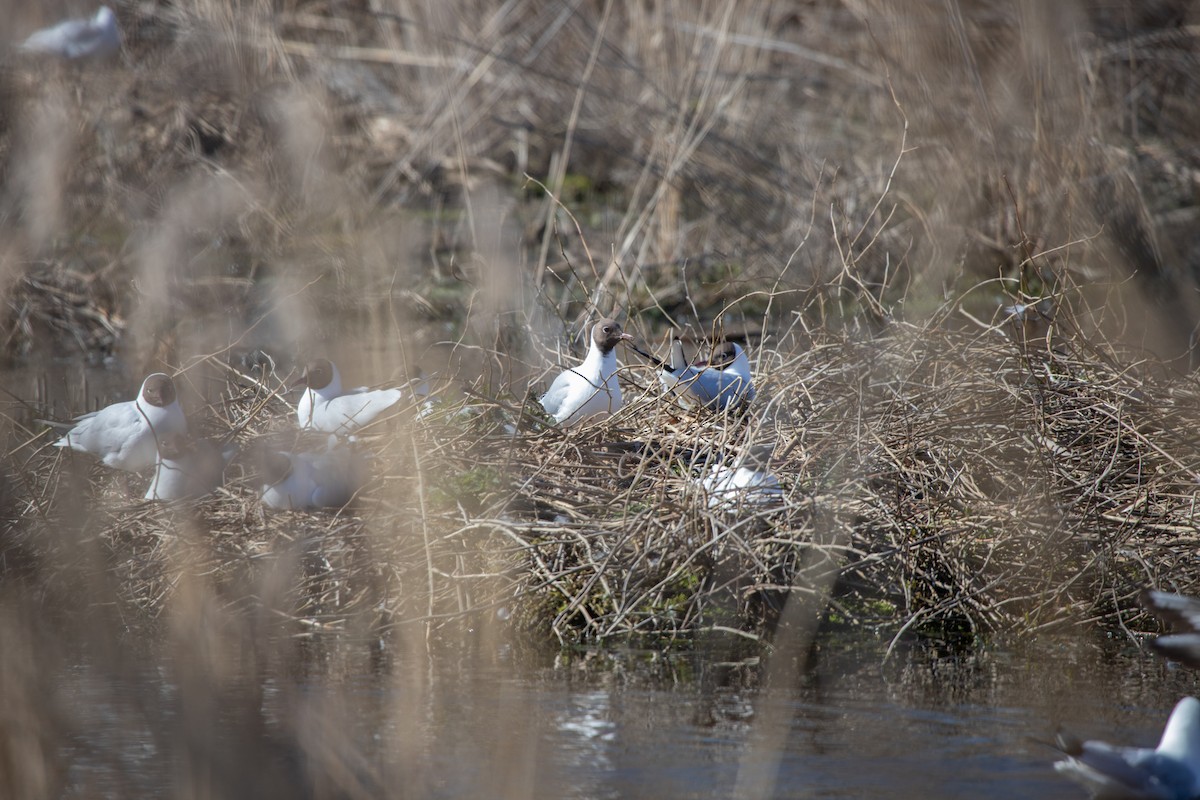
x=328 y=408
x=1183 y=612
x=300 y=480
x=187 y=468
x=745 y=482
x=97 y=37
x=724 y=381
x=591 y=389
x=1170 y=771
x=125 y=435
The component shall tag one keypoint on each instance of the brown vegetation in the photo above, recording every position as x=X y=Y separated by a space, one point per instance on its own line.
x=855 y=189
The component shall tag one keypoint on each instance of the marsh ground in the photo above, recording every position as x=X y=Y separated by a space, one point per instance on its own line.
x=855 y=190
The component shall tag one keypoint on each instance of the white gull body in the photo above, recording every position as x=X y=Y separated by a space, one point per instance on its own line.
x=724 y=381
x=96 y=37
x=302 y=480
x=328 y=408
x=125 y=435
x=187 y=468
x=1170 y=771
x=745 y=482
x=591 y=389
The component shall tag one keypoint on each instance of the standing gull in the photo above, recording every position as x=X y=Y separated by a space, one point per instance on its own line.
x=723 y=382
x=1170 y=771
x=591 y=389
x=327 y=408
x=78 y=38
x=125 y=435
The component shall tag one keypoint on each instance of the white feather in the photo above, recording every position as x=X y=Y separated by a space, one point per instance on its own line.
x=709 y=387
x=330 y=409
x=1170 y=771
x=124 y=435
x=195 y=472
x=327 y=479
x=78 y=38
x=745 y=482
x=589 y=390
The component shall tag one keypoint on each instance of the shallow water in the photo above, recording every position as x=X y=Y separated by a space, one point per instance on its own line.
x=923 y=724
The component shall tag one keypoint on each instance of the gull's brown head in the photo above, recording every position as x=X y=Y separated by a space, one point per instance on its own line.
x=158 y=390
x=607 y=333
x=723 y=355
x=317 y=374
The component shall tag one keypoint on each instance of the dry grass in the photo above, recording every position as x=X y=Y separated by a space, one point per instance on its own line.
x=853 y=188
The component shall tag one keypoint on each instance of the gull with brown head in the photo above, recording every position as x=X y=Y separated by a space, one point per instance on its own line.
x=591 y=389
x=328 y=408
x=126 y=435
x=723 y=381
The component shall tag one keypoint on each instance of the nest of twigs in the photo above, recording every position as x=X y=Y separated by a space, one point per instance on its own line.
x=932 y=480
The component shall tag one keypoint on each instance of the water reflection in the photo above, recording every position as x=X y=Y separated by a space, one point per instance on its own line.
x=924 y=724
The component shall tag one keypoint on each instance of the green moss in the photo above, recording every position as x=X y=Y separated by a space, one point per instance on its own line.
x=472 y=489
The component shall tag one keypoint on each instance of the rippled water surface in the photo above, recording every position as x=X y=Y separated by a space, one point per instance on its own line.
x=924 y=724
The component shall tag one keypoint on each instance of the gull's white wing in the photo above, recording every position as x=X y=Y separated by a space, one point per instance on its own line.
x=1169 y=772
x=715 y=389
x=349 y=412
x=118 y=435
x=558 y=392
x=1129 y=772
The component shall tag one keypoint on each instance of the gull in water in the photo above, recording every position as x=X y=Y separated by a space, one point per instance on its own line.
x=97 y=37
x=723 y=382
x=301 y=480
x=327 y=408
x=187 y=468
x=591 y=389
x=1170 y=771
x=1183 y=612
x=126 y=435
x=745 y=482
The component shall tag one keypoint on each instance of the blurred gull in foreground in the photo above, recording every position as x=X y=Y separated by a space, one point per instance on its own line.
x=187 y=468
x=724 y=381
x=746 y=482
x=591 y=389
x=301 y=480
x=97 y=37
x=1170 y=771
x=1181 y=611
x=328 y=408
x=126 y=435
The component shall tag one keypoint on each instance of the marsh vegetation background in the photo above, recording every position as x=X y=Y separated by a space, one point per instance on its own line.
x=861 y=192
